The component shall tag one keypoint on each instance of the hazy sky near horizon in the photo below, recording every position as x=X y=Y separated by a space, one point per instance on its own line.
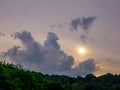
x=102 y=41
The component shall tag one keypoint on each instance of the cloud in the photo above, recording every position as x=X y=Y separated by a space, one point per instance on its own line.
x=82 y=24
x=32 y=51
x=47 y=58
x=52 y=41
x=87 y=22
x=52 y=26
x=2 y=34
x=86 y=67
x=59 y=25
x=83 y=38
x=75 y=24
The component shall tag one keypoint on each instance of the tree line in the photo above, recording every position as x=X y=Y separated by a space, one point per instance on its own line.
x=14 y=77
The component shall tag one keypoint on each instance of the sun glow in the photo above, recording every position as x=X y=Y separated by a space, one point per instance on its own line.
x=82 y=51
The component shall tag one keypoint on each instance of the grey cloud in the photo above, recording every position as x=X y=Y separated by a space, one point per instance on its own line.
x=24 y=36
x=61 y=25
x=58 y=25
x=2 y=34
x=81 y=23
x=47 y=58
x=2 y=56
x=32 y=51
x=52 y=26
x=14 y=54
x=84 y=23
x=75 y=24
x=55 y=58
x=83 y=38
x=86 y=67
x=52 y=41
x=87 y=22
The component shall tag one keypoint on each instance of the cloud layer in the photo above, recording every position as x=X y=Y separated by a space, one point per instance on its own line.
x=47 y=58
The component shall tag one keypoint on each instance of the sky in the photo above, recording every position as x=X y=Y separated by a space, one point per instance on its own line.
x=46 y=35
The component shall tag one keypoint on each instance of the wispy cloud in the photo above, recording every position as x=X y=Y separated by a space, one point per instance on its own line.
x=58 y=25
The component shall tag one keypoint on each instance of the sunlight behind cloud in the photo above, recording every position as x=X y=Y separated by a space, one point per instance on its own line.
x=82 y=50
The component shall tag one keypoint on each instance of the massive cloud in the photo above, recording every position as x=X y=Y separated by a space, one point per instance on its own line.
x=47 y=58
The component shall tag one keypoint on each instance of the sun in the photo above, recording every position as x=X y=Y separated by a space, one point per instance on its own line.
x=82 y=51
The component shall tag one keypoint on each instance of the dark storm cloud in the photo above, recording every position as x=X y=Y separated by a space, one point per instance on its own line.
x=47 y=58
x=2 y=34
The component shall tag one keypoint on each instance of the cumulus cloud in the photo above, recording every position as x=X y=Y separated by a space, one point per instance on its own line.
x=86 y=67
x=47 y=58
x=52 y=41
x=2 y=34
x=32 y=51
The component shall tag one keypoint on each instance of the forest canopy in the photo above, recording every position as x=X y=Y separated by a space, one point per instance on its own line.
x=14 y=77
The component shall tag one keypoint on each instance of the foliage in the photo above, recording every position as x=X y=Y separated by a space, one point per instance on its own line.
x=14 y=77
